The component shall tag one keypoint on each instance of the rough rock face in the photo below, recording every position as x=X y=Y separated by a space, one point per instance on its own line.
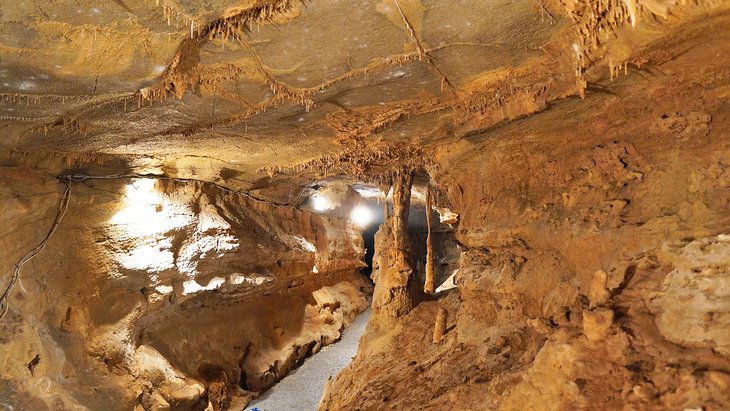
x=165 y=292
x=396 y=291
x=579 y=148
x=594 y=271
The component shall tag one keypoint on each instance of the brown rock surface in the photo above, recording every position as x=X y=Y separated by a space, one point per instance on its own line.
x=176 y=292
x=597 y=324
x=578 y=151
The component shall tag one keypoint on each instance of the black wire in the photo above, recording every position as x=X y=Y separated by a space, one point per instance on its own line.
x=60 y=212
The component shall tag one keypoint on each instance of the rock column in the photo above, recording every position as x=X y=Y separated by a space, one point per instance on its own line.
x=392 y=296
x=429 y=286
x=439 y=329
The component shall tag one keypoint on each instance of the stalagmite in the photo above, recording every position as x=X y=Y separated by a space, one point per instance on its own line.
x=439 y=329
x=598 y=294
x=429 y=286
x=393 y=289
x=597 y=324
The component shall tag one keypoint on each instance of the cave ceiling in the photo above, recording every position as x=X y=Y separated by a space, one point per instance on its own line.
x=267 y=96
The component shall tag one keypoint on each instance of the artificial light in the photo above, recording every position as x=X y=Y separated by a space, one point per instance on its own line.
x=361 y=215
x=321 y=203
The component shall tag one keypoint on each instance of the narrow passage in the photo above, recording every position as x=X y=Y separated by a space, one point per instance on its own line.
x=302 y=389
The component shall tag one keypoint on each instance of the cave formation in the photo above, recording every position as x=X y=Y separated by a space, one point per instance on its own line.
x=528 y=202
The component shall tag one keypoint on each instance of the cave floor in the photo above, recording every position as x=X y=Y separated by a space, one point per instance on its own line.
x=302 y=389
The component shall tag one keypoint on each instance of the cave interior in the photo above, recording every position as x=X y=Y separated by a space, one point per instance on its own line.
x=513 y=205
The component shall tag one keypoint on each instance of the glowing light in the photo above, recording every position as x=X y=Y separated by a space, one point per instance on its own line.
x=192 y=286
x=149 y=220
x=151 y=256
x=447 y=216
x=449 y=283
x=253 y=278
x=145 y=212
x=320 y=203
x=361 y=215
x=145 y=217
x=164 y=289
x=370 y=192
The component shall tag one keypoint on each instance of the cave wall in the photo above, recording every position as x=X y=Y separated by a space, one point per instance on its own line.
x=594 y=266
x=156 y=292
x=583 y=144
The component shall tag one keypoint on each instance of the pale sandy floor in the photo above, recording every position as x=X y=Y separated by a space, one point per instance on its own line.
x=302 y=389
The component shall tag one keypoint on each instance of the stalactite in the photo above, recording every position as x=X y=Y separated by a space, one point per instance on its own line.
x=429 y=286
x=401 y=208
x=369 y=164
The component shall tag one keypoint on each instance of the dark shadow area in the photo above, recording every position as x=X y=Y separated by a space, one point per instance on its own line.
x=446 y=254
x=368 y=236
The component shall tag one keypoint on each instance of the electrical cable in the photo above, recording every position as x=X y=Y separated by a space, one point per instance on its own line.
x=60 y=212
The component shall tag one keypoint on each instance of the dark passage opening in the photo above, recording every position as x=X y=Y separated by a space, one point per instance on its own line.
x=368 y=236
x=368 y=233
x=446 y=254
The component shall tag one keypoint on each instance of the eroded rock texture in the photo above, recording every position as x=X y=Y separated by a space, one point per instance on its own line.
x=594 y=271
x=164 y=292
x=577 y=152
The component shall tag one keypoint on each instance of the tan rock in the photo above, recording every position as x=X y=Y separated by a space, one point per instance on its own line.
x=598 y=294
x=719 y=379
x=439 y=328
x=597 y=324
x=258 y=105
x=153 y=401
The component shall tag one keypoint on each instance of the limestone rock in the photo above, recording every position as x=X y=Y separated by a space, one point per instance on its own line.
x=153 y=401
x=598 y=294
x=597 y=324
x=576 y=151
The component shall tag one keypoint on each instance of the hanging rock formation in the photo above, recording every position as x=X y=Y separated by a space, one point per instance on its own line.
x=162 y=249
